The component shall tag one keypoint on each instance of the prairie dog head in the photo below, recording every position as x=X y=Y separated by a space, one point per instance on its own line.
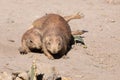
x=34 y=39
x=53 y=44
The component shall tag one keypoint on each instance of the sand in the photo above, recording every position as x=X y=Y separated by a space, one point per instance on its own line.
x=101 y=59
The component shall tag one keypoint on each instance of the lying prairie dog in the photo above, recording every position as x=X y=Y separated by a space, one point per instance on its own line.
x=30 y=40
x=56 y=35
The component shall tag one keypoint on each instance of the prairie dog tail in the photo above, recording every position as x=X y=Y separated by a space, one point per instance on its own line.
x=31 y=26
x=74 y=16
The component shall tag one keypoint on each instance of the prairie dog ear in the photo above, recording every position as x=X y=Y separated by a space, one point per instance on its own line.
x=36 y=31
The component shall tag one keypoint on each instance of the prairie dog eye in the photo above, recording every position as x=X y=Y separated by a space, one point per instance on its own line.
x=49 y=43
x=59 y=43
x=31 y=41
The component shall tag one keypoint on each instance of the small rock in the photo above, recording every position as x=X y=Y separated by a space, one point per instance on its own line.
x=11 y=40
x=6 y=76
x=23 y=75
x=17 y=78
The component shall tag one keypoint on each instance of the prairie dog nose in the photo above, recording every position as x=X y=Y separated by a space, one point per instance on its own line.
x=54 y=51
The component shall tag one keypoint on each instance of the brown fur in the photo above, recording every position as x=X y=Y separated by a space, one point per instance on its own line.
x=39 y=22
x=56 y=35
x=52 y=28
x=30 y=40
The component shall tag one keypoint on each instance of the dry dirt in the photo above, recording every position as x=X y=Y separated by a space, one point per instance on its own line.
x=101 y=59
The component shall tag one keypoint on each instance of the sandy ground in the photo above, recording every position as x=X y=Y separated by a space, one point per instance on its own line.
x=100 y=61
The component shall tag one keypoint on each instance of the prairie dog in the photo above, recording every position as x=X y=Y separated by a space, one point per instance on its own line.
x=30 y=40
x=56 y=35
x=53 y=35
